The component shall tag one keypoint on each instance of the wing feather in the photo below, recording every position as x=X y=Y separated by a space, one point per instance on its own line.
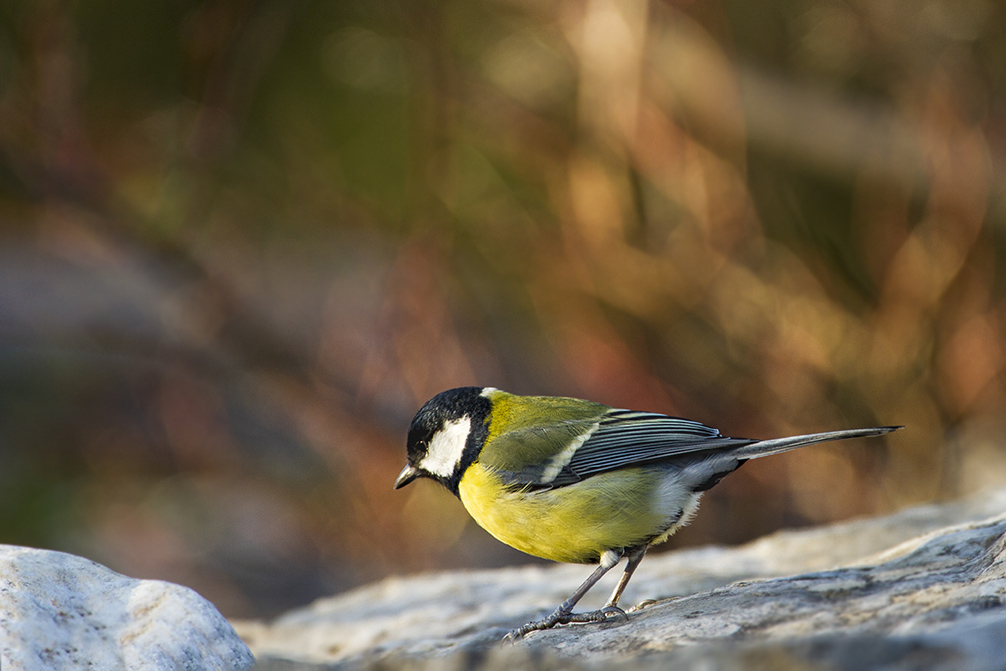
x=627 y=438
x=619 y=439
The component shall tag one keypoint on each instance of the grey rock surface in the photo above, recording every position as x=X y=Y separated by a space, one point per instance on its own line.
x=62 y=612
x=921 y=589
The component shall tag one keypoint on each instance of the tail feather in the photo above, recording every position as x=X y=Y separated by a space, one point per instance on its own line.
x=765 y=448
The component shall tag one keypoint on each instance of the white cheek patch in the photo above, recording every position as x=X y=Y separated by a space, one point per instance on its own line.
x=447 y=447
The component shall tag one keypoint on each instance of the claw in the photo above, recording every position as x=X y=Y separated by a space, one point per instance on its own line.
x=616 y=612
x=558 y=617
x=642 y=604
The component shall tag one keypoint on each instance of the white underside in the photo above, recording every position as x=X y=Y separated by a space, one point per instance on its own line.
x=674 y=499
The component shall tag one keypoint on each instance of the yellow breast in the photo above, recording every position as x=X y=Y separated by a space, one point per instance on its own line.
x=576 y=523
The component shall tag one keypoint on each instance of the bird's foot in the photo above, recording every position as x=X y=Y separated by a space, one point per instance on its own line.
x=601 y=615
x=561 y=616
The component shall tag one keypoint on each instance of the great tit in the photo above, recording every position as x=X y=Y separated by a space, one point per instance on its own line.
x=577 y=481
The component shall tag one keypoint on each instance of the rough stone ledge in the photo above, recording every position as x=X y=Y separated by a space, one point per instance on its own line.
x=924 y=588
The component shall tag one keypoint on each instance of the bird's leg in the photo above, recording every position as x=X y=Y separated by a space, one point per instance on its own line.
x=635 y=556
x=564 y=613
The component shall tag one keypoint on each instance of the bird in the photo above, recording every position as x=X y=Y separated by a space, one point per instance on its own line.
x=577 y=481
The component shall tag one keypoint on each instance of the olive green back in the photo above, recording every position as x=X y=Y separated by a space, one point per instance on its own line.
x=525 y=432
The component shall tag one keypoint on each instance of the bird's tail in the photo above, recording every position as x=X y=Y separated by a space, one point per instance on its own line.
x=765 y=448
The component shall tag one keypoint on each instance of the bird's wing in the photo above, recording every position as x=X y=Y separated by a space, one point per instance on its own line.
x=577 y=449
x=628 y=438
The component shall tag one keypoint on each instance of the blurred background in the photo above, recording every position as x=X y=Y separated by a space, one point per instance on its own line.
x=241 y=241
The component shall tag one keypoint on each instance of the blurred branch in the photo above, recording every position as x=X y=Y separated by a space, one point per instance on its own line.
x=823 y=130
x=845 y=138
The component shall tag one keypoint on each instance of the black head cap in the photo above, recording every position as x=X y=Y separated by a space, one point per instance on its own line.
x=442 y=412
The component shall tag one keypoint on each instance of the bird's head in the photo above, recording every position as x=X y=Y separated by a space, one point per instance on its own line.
x=446 y=435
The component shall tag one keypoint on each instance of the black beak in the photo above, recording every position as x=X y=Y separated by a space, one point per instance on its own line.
x=408 y=474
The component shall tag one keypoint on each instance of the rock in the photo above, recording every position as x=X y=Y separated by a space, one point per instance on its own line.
x=62 y=612
x=920 y=589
